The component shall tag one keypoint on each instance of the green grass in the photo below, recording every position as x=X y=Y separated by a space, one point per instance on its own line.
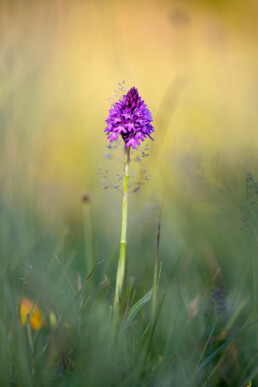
x=204 y=345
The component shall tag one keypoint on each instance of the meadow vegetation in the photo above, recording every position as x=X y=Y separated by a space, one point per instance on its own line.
x=193 y=202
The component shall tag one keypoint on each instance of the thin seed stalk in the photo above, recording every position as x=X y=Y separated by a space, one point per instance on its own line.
x=122 y=257
x=29 y=333
x=155 y=276
x=88 y=239
x=154 y=294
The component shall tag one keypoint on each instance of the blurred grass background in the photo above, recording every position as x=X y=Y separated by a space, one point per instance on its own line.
x=195 y=65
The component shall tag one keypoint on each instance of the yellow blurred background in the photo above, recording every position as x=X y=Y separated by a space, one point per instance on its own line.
x=195 y=64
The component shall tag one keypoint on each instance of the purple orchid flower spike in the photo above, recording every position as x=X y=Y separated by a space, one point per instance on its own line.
x=131 y=119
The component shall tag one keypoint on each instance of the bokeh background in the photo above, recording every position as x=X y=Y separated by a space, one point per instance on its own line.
x=195 y=64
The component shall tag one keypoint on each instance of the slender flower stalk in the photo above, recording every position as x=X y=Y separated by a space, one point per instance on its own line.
x=156 y=265
x=131 y=120
x=123 y=242
x=85 y=199
x=29 y=333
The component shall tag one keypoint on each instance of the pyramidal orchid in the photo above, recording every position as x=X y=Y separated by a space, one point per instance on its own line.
x=130 y=119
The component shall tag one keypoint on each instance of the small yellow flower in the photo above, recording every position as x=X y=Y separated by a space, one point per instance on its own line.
x=249 y=384
x=27 y=306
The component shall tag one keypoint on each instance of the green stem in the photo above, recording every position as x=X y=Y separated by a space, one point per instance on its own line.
x=122 y=257
x=88 y=239
x=29 y=333
x=255 y=298
x=155 y=276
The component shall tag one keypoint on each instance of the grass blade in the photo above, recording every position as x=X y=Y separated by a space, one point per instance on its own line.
x=137 y=307
x=211 y=357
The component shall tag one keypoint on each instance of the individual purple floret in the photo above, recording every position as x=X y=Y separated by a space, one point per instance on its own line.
x=129 y=118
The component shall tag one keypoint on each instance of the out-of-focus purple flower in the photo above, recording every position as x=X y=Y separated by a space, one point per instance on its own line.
x=129 y=118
